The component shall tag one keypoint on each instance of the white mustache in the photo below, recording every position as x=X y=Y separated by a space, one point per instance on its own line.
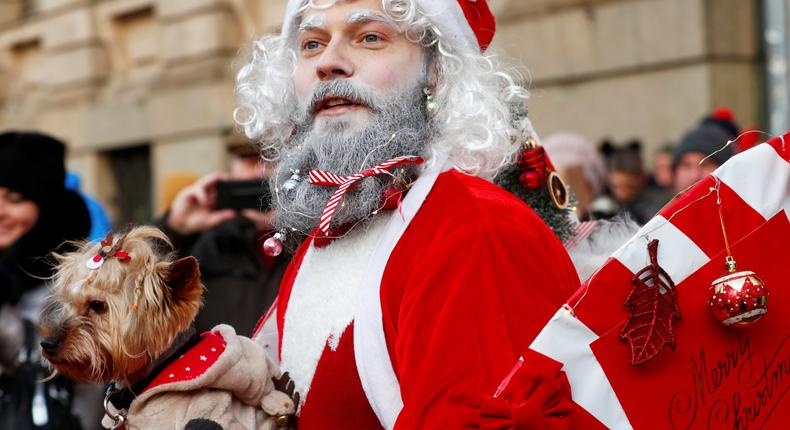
x=339 y=88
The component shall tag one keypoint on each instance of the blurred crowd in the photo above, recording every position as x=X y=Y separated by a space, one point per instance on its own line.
x=612 y=178
x=42 y=209
x=43 y=212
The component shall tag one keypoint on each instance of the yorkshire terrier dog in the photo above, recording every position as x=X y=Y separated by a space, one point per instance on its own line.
x=121 y=312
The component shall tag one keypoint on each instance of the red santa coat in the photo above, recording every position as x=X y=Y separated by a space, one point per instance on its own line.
x=465 y=290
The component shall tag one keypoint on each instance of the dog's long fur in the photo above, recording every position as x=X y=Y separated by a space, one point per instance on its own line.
x=108 y=324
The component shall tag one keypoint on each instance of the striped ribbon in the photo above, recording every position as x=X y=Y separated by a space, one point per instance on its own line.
x=581 y=232
x=344 y=183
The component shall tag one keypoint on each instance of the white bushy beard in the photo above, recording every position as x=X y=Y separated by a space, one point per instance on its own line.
x=398 y=126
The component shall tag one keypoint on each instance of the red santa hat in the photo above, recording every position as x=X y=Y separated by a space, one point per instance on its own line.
x=466 y=25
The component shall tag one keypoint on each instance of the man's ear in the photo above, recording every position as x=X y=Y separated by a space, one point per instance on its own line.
x=433 y=76
x=429 y=76
x=183 y=278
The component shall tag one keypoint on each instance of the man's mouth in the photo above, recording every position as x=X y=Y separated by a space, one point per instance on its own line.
x=335 y=106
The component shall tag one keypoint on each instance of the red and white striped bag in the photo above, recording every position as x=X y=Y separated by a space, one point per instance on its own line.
x=716 y=377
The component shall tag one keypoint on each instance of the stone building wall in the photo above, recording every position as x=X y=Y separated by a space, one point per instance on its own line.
x=111 y=74
x=105 y=75
x=634 y=68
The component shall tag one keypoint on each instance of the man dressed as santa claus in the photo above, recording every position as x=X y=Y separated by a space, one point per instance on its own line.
x=418 y=283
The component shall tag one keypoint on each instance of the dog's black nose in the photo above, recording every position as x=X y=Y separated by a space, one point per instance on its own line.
x=49 y=344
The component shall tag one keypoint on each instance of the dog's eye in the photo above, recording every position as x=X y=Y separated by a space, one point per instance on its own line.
x=97 y=306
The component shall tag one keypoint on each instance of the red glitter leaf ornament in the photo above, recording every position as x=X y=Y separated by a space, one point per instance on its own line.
x=653 y=307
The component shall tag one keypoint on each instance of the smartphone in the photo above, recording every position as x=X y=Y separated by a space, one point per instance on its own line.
x=238 y=195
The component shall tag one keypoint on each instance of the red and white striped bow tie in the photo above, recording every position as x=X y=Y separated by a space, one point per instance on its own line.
x=319 y=177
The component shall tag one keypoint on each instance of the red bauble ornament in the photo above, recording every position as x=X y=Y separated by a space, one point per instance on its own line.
x=738 y=299
x=534 y=170
x=532 y=180
x=273 y=246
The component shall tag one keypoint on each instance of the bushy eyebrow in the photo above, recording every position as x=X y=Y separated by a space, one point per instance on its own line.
x=366 y=15
x=313 y=22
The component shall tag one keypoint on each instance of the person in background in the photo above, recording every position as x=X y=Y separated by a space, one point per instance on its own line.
x=702 y=150
x=241 y=281
x=626 y=181
x=37 y=212
x=659 y=190
x=100 y=221
x=578 y=162
x=661 y=176
x=37 y=216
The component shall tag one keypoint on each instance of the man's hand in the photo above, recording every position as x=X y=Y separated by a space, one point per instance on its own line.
x=193 y=208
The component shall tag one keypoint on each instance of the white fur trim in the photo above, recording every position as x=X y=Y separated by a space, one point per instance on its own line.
x=376 y=372
x=268 y=338
x=322 y=300
x=457 y=31
x=447 y=15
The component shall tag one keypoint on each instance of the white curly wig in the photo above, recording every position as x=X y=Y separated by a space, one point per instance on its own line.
x=476 y=95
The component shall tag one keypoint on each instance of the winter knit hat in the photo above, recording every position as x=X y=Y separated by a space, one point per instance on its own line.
x=725 y=118
x=707 y=138
x=32 y=164
x=467 y=25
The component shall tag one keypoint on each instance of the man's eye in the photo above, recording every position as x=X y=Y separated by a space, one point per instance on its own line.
x=371 y=38
x=311 y=45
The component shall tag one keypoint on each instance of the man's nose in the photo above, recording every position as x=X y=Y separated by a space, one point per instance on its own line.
x=334 y=62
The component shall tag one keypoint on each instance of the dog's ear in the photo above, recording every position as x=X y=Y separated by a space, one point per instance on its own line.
x=183 y=279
